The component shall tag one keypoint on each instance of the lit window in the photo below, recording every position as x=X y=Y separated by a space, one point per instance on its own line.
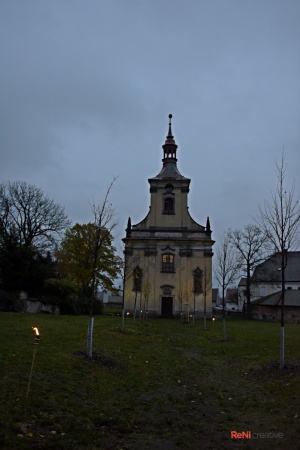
x=167 y=263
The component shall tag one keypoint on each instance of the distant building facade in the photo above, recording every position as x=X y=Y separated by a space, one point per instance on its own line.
x=266 y=289
x=242 y=293
x=168 y=255
x=216 y=300
x=266 y=278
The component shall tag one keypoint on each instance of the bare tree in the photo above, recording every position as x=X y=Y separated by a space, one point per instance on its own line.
x=179 y=293
x=226 y=269
x=187 y=291
x=251 y=244
x=280 y=221
x=30 y=216
x=104 y=219
x=197 y=287
x=137 y=275
x=146 y=291
x=129 y=263
x=30 y=226
x=206 y=288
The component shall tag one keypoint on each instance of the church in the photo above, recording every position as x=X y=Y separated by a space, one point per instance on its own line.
x=168 y=255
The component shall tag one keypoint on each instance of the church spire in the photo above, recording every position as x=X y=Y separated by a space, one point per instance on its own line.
x=170 y=146
x=208 y=229
x=169 y=169
x=128 y=229
x=170 y=135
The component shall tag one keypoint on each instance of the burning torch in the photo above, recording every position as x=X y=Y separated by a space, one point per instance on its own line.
x=35 y=344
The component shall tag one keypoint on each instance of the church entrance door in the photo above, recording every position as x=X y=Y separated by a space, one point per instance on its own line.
x=167 y=307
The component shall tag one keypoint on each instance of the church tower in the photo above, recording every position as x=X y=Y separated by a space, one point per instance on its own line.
x=168 y=256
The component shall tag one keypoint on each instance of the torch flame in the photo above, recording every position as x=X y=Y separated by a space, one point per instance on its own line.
x=36 y=330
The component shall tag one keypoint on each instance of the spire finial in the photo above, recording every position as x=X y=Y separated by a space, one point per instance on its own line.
x=170 y=125
x=208 y=229
x=128 y=229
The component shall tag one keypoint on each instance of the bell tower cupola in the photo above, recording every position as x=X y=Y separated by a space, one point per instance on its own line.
x=169 y=146
x=169 y=169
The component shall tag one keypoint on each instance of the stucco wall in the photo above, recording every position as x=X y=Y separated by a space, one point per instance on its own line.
x=180 y=282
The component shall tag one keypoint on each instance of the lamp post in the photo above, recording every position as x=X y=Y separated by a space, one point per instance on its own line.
x=35 y=344
x=213 y=321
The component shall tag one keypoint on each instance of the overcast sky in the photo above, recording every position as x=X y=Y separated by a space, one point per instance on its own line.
x=87 y=86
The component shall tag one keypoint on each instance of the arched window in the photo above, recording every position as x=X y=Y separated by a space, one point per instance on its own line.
x=167 y=263
x=169 y=206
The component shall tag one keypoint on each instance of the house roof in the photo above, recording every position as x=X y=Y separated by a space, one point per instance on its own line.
x=269 y=270
x=243 y=281
x=291 y=298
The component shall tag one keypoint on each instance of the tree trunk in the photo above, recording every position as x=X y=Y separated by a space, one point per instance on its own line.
x=140 y=311
x=134 y=311
x=194 y=308
x=283 y=265
x=90 y=337
x=224 y=330
x=248 y=284
x=122 y=319
x=204 y=317
x=224 y=321
x=123 y=304
x=281 y=362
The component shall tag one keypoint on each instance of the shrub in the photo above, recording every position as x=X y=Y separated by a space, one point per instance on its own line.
x=11 y=301
x=83 y=306
x=61 y=293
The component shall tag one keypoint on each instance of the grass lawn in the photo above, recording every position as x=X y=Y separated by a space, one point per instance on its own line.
x=159 y=385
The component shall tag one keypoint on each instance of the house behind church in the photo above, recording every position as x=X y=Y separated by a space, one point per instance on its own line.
x=266 y=289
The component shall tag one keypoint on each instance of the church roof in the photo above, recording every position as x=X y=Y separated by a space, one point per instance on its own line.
x=170 y=171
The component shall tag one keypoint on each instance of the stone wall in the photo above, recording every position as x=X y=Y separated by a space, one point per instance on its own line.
x=33 y=306
x=273 y=313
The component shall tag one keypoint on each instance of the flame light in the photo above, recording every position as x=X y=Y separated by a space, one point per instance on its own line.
x=35 y=346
